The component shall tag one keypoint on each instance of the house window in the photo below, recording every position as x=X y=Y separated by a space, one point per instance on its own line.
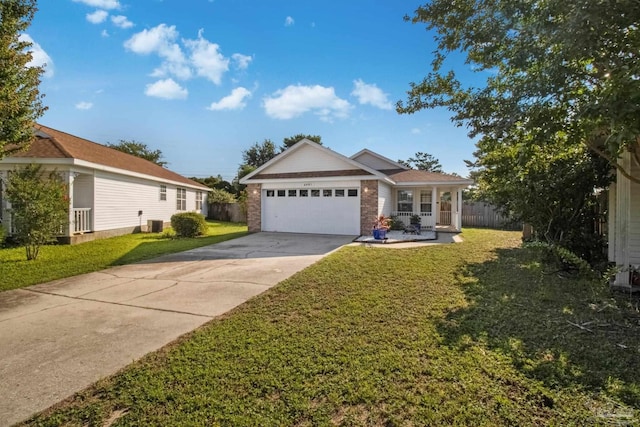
x=327 y=193
x=181 y=199
x=270 y=193
x=163 y=192
x=339 y=193
x=352 y=192
x=198 y=200
x=293 y=193
x=405 y=201
x=315 y=193
x=282 y=193
x=304 y=193
x=425 y=201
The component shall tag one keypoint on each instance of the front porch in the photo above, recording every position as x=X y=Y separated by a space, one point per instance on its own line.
x=80 y=191
x=439 y=208
x=398 y=236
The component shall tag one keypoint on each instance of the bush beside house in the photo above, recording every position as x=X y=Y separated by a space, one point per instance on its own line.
x=189 y=224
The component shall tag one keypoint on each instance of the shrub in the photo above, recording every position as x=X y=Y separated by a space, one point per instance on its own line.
x=563 y=258
x=189 y=224
x=3 y=234
x=39 y=204
x=221 y=196
x=396 y=223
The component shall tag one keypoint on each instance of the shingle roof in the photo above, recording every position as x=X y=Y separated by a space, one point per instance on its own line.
x=51 y=143
x=412 y=175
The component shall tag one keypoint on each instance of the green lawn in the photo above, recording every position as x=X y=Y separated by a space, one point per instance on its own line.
x=59 y=261
x=463 y=334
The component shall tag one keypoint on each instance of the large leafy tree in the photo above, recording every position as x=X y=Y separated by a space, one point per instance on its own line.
x=559 y=86
x=553 y=66
x=259 y=153
x=423 y=161
x=39 y=206
x=293 y=140
x=139 y=149
x=20 y=100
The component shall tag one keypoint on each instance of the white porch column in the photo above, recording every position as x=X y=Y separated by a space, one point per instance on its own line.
x=69 y=177
x=4 y=204
x=459 y=209
x=622 y=219
x=435 y=206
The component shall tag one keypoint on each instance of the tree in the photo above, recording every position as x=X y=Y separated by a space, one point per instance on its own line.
x=139 y=149
x=552 y=187
x=423 y=161
x=221 y=196
x=292 y=140
x=555 y=70
x=259 y=154
x=39 y=207
x=215 y=182
x=20 y=100
x=559 y=95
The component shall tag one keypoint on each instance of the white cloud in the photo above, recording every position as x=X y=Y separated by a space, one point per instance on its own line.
x=289 y=21
x=104 y=33
x=206 y=58
x=294 y=101
x=242 y=61
x=98 y=16
x=166 y=89
x=416 y=131
x=101 y=4
x=83 y=105
x=157 y=39
x=370 y=94
x=121 y=21
x=38 y=56
x=161 y=40
x=234 y=101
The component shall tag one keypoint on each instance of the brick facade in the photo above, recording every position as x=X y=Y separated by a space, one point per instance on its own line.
x=254 y=207
x=368 y=205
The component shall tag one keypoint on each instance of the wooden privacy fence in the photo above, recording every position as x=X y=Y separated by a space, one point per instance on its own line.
x=231 y=212
x=480 y=214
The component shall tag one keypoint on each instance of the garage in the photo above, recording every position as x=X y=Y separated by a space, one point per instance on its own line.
x=298 y=209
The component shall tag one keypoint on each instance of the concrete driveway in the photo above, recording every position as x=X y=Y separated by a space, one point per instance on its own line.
x=59 y=337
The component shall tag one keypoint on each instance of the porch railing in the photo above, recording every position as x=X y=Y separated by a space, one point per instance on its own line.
x=445 y=218
x=427 y=219
x=82 y=221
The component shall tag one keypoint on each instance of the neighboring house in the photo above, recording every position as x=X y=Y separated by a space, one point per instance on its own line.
x=311 y=189
x=110 y=192
x=624 y=223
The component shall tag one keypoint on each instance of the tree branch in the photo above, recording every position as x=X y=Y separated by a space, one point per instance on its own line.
x=614 y=163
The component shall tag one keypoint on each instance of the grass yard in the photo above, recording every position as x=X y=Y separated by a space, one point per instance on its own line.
x=464 y=334
x=59 y=261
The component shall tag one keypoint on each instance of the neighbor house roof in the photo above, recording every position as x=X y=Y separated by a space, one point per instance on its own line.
x=53 y=144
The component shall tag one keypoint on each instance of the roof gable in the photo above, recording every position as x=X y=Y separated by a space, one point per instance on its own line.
x=53 y=144
x=307 y=159
x=376 y=161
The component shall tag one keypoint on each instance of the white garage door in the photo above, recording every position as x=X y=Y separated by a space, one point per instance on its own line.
x=306 y=210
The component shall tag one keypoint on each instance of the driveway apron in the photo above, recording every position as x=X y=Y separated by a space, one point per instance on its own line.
x=59 y=337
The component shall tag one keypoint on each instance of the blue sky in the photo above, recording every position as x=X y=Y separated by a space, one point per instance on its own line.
x=202 y=80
